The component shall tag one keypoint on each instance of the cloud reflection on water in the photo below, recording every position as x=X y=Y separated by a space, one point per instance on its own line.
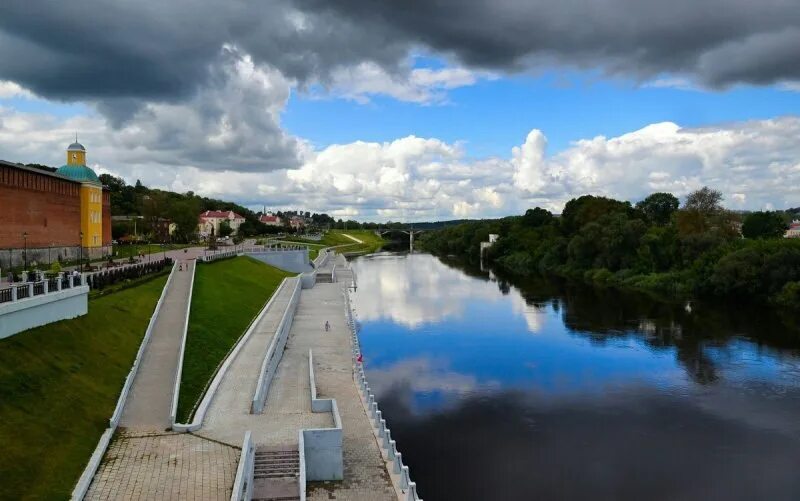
x=413 y=290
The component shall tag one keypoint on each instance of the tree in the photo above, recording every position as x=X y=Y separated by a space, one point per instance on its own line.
x=763 y=225
x=537 y=217
x=184 y=214
x=703 y=213
x=586 y=209
x=705 y=200
x=659 y=207
x=225 y=229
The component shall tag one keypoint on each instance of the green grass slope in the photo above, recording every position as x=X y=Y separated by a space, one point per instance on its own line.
x=58 y=387
x=334 y=238
x=227 y=296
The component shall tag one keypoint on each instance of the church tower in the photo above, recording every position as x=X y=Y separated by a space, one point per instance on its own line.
x=91 y=195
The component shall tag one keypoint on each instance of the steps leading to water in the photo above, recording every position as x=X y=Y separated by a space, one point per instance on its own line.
x=275 y=475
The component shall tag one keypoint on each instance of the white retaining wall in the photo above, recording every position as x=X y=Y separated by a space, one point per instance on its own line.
x=275 y=351
x=85 y=479
x=243 y=483
x=23 y=314
x=292 y=260
x=322 y=447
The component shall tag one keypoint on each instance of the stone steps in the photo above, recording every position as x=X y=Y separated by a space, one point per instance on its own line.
x=275 y=475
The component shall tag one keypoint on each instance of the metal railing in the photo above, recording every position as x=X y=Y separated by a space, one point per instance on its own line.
x=17 y=291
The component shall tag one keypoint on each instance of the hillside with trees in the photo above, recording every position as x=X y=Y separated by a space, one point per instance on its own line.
x=699 y=248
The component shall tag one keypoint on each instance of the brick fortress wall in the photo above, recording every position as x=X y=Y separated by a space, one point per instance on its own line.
x=44 y=206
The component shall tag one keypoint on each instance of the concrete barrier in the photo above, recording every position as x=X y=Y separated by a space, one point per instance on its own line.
x=179 y=370
x=322 y=449
x=292 y=260
x=400 y=473
x=301 y=478
x=34 y=304
x=85 y=480
x=243 y=483
x=208 y=396
x=275 y=351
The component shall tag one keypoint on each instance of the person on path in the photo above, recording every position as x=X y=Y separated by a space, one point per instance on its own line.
x=327 y=326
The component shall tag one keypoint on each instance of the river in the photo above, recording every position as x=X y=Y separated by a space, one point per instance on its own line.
x=544 y=390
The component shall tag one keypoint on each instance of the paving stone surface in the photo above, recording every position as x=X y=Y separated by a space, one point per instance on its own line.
x=140 y=465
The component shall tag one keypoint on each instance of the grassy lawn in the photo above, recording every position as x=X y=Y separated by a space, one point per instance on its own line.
x=332 y=238
x=58 y=387
x=227 y=296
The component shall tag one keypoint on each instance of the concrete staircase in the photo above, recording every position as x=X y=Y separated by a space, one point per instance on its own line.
x=324 y=277
x=275 y=475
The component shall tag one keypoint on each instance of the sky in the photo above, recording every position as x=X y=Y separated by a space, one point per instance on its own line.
x=411 y=111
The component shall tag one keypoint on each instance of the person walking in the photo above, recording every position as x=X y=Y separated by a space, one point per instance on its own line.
x=327 y=326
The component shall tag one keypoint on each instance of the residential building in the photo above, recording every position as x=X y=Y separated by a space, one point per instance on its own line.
x=794 y=230
x=297 y=222
x=271 y=220
x=211 y=220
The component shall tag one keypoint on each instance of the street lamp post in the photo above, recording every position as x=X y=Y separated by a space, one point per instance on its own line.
x=25 y=250
x=80 y=251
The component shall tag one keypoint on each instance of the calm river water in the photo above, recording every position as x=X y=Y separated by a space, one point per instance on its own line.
x=543 y=391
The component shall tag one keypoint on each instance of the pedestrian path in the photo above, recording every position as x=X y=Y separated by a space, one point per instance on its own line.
x=150 y=399
x=287 y=405
x=145 y=460
x=366 y=475
x=165 y=466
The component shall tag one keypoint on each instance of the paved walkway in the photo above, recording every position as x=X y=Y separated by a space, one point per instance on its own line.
x=150 y=399
x=145 y=461
x=165 y=466
x=288 y=407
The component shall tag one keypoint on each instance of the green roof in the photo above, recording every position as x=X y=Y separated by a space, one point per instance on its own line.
x=78 y=173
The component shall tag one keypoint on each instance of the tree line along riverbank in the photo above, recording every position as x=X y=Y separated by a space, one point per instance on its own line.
x=697 y=249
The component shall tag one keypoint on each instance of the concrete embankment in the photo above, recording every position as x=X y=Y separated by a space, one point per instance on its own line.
x=317 y=421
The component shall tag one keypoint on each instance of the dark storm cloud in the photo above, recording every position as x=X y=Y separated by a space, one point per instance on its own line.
x=162 y=50
x=718 y=42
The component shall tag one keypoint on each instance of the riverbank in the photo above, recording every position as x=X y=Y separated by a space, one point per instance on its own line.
x=609 y=243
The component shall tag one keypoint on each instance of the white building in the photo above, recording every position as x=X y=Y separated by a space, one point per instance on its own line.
x=794 y=230
x=213 y=218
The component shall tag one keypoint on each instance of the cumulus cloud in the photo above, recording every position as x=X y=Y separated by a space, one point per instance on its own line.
x=207 y=147
x=418 y=85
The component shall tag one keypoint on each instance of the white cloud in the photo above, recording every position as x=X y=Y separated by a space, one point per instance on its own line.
x=366 y=80
x=10 y=90
x=227 y=142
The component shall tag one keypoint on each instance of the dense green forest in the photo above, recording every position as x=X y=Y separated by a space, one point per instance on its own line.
x=698 y=249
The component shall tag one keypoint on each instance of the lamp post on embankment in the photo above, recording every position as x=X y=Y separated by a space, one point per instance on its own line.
x=25 y=250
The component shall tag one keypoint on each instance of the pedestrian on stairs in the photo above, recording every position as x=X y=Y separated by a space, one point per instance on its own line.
x=327 y=326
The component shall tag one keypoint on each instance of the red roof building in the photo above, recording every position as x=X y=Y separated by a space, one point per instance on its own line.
x=211 y=219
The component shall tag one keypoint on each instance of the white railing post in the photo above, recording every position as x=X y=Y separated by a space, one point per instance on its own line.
x=46 y=285
x=13 y=291
x=398 y=463
x=59 y=279
x=30 y=289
